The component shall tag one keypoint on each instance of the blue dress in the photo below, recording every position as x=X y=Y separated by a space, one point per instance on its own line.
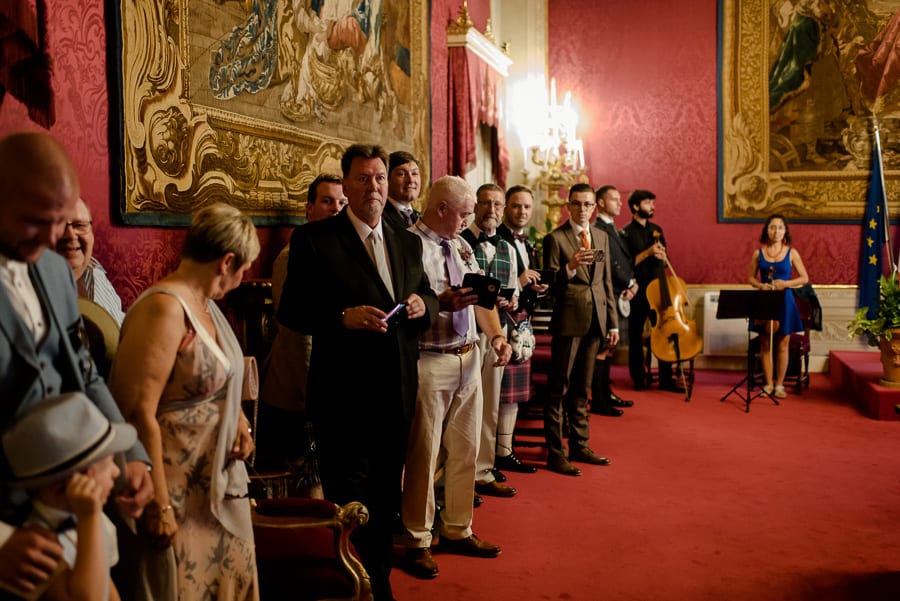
x=790 y=321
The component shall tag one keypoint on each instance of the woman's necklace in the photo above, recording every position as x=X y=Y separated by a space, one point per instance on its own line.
x=202 y=301
x=773 y=255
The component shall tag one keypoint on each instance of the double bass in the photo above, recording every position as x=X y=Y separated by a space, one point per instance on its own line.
x=674 y=337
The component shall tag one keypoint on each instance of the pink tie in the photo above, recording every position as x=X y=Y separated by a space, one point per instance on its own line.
x=460 y=318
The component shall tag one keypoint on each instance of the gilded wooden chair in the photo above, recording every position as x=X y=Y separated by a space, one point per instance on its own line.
x=303 y=550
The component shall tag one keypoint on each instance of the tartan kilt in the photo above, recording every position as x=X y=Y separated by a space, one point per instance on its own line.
x=515 y=387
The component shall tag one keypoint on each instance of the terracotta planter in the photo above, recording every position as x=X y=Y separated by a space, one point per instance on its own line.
x=890 y=360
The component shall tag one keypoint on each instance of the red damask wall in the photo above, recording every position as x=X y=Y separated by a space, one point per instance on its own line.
x=645 y=75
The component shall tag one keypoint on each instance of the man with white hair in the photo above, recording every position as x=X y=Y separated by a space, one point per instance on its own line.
x=447 y=420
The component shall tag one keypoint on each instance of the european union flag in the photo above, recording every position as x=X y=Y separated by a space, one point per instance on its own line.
x=870 y=259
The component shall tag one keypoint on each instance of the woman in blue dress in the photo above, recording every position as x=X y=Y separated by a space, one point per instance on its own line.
x=771 y=268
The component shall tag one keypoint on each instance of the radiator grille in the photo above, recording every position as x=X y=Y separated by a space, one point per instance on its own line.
x=722 y=337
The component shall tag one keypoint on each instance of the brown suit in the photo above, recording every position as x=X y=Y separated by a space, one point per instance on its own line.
x=583 y=312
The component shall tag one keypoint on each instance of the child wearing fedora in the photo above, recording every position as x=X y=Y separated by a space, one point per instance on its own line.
x=61 y=451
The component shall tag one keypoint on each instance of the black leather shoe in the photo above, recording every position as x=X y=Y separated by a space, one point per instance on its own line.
x=498 y=475
x=671 y=387
x=640 y=386
x=615 y=401
x=605 y=410
x=586 y=455
x=511 y=463
x=562 y=466
x=420 y=563
x=495 y=489
x=471 y=546
x=477 y=500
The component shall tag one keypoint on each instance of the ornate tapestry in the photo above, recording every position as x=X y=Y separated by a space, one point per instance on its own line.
x=247 y=101
x=800 y=82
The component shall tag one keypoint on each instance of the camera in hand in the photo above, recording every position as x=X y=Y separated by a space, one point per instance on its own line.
x=487 y=288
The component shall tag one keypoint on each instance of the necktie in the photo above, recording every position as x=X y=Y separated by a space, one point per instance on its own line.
x=585 y=240
x=482 y=237
x=66 y=525
x=376 y=250
x=460 y=318
x=407 y=216
x=523 y=237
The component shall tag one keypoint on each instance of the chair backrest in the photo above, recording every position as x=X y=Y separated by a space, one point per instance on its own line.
x=102 y=333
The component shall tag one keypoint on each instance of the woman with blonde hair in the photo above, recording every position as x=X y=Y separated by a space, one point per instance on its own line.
x=177 y=377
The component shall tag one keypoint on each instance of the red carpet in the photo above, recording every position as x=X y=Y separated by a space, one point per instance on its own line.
x=798 y=502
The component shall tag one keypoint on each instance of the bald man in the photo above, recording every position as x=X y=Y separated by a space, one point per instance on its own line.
x=40 y=350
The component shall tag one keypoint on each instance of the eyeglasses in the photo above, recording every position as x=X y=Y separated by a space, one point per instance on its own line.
x=582 y=205
x=80 y=227
x=487 y=203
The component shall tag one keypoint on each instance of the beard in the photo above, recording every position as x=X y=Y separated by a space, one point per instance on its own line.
x=645 y=214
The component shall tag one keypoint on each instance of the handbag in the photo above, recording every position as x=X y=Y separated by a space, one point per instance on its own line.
x=521 y=339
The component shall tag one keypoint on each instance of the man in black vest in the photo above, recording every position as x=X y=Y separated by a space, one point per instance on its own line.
x=497 y=259
x=609 y=204
x=647 y=244
x=515 y=387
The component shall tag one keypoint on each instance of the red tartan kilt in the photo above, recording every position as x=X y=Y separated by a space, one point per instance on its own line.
x=516 y=384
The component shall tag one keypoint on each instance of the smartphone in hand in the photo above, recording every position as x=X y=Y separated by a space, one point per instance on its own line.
x=394 y=314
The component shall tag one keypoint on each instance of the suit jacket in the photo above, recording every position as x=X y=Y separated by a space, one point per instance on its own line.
x=392 y=217
x=19 y=369
x=620 y=258
x=528 y=297
x=358 y=379
x=588 y=293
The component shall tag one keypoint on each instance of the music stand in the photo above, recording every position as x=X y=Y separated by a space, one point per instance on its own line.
x=750 y=304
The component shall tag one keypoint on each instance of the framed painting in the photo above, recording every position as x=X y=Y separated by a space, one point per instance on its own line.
x=246 y=101
x=802 y=86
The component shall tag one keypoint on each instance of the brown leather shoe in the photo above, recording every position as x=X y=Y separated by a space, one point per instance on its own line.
x=420 y=563
x=471 y=546
x=495 y=489
x=562 y=466
x=586 y=455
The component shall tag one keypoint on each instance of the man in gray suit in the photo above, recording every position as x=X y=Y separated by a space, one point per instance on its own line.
x=584 y=312
x=41 y=352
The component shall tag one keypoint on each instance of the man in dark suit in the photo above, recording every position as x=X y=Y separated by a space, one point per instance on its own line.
x=344 y=275
x=583 y=315
x=404 y=185
x=41 y=350
x=609 y=204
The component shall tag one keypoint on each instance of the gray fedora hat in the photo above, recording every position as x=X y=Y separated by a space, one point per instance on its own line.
x=59 y=436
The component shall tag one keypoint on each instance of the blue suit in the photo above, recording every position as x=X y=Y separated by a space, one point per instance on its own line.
x=21 y=369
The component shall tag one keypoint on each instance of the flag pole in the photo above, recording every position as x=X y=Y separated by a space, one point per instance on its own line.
x=884 y=207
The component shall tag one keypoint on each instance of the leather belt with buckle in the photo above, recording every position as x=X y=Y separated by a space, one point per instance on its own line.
x=459 y=350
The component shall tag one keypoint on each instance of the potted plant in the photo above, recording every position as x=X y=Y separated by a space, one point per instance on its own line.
x=884 y=329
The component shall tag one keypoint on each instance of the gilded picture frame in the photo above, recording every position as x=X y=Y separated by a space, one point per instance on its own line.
x=246 y=101
x=800 y=94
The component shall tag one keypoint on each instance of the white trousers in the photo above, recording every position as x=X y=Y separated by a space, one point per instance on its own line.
x=490 y=382
x=444 y=431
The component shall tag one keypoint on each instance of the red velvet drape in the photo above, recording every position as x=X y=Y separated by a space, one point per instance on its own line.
x=25 y=65
x=475 y=93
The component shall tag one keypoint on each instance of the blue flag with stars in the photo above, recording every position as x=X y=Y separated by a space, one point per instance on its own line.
x=870 y=261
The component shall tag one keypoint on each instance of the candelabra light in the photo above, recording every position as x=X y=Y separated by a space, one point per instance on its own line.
x=557 y=155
